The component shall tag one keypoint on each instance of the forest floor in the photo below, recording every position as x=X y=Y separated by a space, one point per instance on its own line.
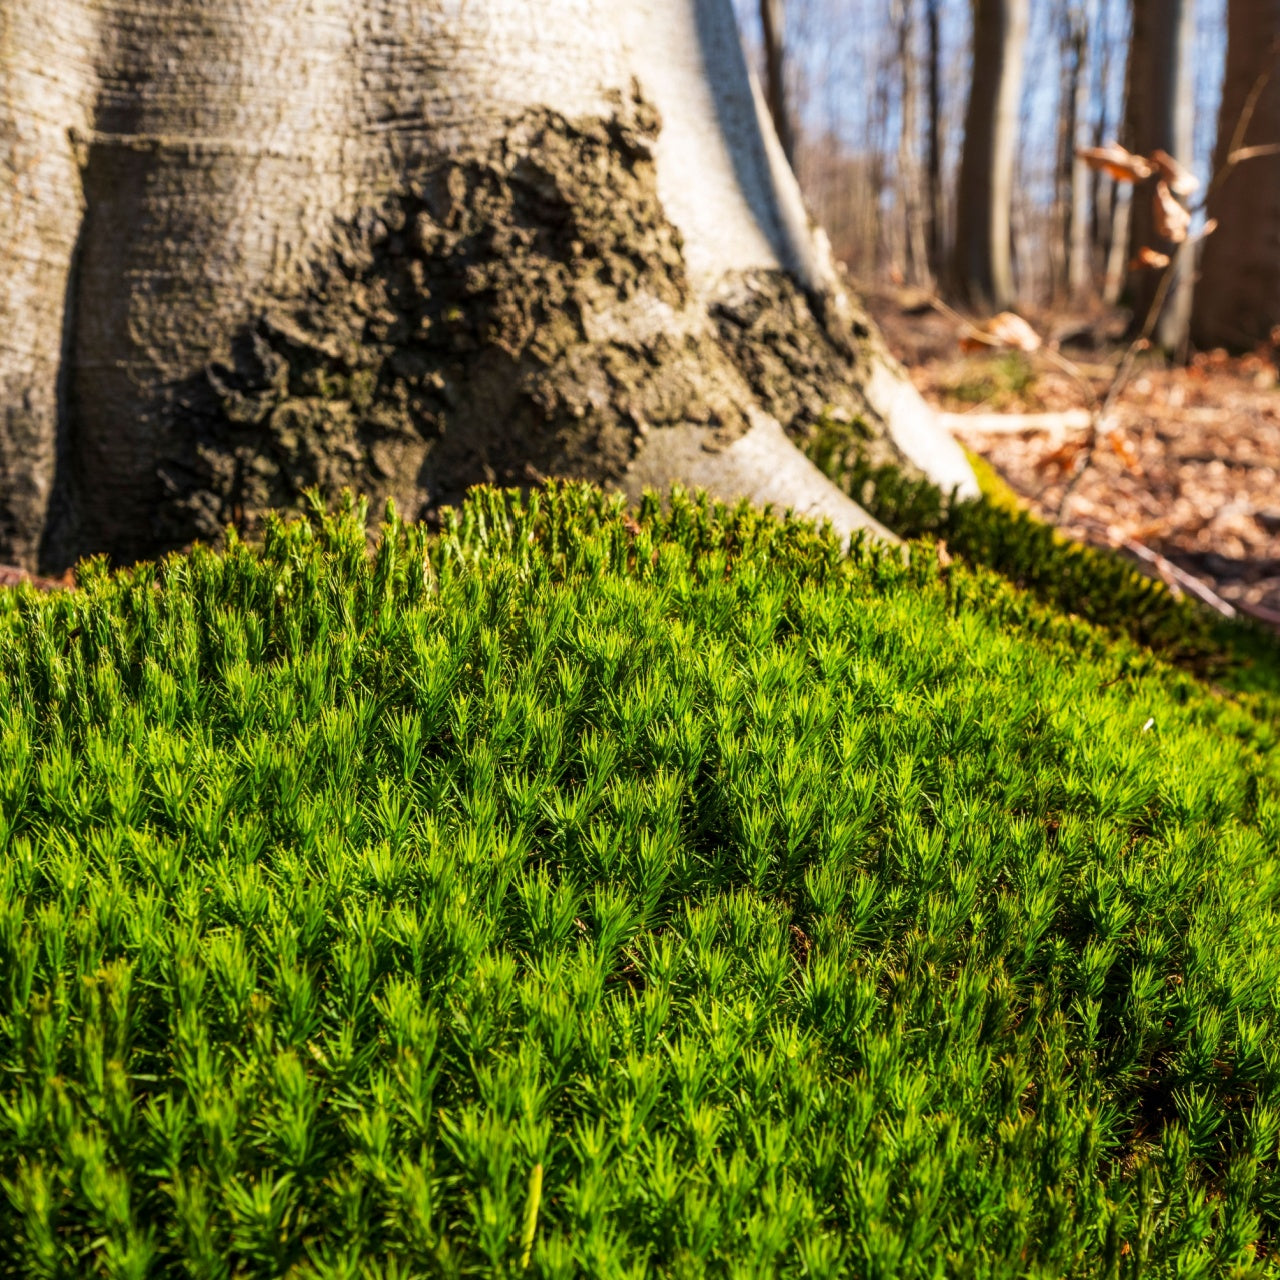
x=1187 y=463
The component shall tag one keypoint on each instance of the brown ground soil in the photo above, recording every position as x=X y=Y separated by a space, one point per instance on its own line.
x=1187 y=462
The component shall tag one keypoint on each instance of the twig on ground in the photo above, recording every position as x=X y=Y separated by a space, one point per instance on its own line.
x=1017 y=423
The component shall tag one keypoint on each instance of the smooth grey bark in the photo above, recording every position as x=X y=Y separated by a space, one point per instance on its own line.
x=1237 y=301
x=399 y=244
x=981 y=266
x=1159 y=115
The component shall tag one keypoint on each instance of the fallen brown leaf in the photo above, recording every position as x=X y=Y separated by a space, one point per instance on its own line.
x=1003 y=330
x=1061 y=459
x=1123 y=448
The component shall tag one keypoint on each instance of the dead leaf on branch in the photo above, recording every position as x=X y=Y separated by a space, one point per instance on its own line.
x=1149 y=257
x=1172 y=220
x=1113 y=159
x=1003 y=330
x=1182 y=182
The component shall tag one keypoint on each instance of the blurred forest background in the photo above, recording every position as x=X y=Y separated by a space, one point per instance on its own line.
x=874 y=96
x=1110 y=171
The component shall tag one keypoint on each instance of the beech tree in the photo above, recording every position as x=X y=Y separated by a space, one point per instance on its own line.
x=404 y=246
x=982 y=266
x=1237 y=302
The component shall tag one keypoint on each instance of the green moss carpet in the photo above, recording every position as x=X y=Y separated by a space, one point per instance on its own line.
x=578 y=894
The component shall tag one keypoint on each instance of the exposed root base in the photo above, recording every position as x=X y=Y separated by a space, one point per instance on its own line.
x=762 y=466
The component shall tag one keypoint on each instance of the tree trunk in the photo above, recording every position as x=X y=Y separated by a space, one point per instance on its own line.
x=1102 y=185
x=915 y=241
x=937 y=235
x=773 y=25
x=982 y=268
x=1237 y=303
x=259 y=245
x=1059 y=238
x=1159 y=116
x=1079 y=240
x=1118 y=246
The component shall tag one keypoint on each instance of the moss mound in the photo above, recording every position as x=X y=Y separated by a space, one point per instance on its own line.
x=997 y=532
x=670 y=895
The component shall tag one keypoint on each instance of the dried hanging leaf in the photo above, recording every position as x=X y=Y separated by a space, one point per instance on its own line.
x=1182 y=182
x=1113 y=159
x=1172 y=220
x=1003 y=330
x=1149 y=257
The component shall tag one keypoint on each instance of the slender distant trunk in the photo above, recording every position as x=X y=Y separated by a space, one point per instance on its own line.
x=1159 y=116
x=255 y=246
x=1237 y=303
x=887 y=249
x=774 y=25
x=1118 y=246
x=1059 y=238
x=1101 y=185
x=937 y=236
x=1116 y=228
x=915 y=233
x=982 y=266
x=1079 y=240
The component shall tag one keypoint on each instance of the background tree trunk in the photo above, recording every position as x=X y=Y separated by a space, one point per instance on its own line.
x=1158 y=115
x=982 y=269
x=773 y=26
x=1080 y=230
x=915 y=237
x=1237 y=303
x=400 y=246
x=1104 y=188
x=937 y=234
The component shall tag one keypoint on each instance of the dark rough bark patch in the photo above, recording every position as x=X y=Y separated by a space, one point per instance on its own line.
x=507 y=315
x=451 y=335
x=803 y=368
